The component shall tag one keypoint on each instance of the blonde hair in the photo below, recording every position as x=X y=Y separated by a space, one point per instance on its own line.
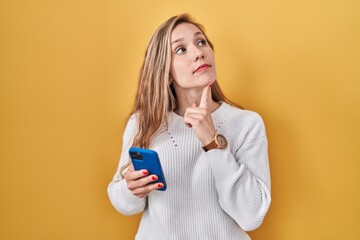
x=155 y=96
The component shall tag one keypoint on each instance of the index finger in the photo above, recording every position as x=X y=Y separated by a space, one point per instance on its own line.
x=133 y=175
x=205 y=96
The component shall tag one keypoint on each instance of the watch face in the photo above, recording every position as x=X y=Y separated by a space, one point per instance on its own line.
x=221 y=140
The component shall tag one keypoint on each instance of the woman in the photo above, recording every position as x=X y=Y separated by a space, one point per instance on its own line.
x=213 y=154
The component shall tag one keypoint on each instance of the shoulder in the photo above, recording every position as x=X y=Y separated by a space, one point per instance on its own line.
x=247 y=117
x=131 y=120
x=246 y=123
x=131 y=126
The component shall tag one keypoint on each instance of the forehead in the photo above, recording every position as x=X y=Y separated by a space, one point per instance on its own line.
x=184 y=30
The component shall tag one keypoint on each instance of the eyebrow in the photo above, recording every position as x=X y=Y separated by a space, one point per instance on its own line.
x=181 y=39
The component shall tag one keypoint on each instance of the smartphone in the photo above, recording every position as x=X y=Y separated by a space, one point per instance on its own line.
x=142 y=158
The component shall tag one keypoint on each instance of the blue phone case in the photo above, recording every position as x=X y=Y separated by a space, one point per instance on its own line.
x=148 y=159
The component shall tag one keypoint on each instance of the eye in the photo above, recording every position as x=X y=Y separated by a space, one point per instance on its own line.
x=202 y=42
x=180 y=50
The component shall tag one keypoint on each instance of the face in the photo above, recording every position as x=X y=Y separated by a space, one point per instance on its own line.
x=192 y=63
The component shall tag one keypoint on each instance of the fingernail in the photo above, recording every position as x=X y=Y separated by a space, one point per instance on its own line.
x=145 y=172
x=160 y=185
x=154 y=178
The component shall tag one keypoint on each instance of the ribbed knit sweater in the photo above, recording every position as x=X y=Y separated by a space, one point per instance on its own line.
x=217 y=195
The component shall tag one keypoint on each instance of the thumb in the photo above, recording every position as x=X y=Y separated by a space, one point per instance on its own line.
x=206 y=97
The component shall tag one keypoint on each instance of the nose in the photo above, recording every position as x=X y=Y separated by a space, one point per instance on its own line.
x=198 y=54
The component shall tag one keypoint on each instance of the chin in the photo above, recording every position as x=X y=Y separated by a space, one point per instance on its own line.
x=209 y=80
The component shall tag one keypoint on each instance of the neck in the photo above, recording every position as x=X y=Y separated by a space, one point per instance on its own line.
x=185 y=99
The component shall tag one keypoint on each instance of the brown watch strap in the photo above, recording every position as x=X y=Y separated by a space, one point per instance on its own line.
x=210 y=146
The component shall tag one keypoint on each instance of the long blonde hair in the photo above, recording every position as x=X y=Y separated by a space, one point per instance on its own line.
x=155 y=96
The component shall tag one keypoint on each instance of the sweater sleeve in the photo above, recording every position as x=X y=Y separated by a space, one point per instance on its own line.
x=120 y=196
x=242 y=176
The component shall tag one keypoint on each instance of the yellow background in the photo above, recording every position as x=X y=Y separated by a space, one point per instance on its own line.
x=68 y=72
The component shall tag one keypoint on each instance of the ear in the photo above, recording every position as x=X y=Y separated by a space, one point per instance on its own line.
x=171 y=79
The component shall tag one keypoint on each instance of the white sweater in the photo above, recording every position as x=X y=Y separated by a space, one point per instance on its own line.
x=218 y=194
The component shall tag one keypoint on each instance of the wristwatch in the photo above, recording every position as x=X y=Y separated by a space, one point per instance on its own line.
x=218 y=142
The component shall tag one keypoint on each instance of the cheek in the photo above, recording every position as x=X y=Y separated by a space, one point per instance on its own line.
x=178 y=69
x=173 y=68
x=213 y=63
x=214 y=68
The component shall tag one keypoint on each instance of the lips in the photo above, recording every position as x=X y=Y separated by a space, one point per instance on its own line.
x=202 y=67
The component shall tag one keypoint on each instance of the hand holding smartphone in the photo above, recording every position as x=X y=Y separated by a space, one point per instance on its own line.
x=142 y=158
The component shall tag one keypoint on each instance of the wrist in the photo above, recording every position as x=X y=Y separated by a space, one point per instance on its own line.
x=208 y=140
x=219 y=142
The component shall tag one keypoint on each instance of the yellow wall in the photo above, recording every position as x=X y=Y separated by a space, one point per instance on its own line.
x=68 y=74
